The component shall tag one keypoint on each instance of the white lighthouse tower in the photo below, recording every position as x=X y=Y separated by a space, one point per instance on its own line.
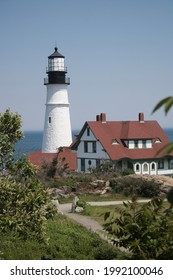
x=57 y=126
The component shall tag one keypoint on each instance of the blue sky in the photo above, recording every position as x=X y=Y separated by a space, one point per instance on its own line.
x=119 y=55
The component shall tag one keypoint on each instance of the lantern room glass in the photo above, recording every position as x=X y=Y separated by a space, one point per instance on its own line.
x=56 y=64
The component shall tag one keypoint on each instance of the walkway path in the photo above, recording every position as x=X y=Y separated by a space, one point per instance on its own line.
x=87 y=222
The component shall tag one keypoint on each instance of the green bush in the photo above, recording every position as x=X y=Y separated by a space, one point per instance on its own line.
x=81 y=203
x=148 y=189
x=10 y=133
x=104 y=253
x=147 y=232
x=130 y=185
x=25 y=204
x=127 y=171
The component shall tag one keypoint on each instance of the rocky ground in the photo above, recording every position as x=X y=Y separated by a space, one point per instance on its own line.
x=162 y=180
x=102 y=187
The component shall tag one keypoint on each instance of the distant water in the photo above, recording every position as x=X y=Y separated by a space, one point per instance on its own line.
x=169 y=133
x=33 y=141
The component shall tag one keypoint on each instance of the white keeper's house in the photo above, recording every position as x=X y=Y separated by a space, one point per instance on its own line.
x=129 y=144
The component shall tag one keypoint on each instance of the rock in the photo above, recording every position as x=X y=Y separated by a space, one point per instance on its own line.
x=107 y=184
x=55 y=193
x=98 y=183
x=79 y=209
x=56 y=203
x=93 y=184
x=106 y=190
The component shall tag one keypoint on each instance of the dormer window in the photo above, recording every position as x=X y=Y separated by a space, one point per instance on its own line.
x=136 y=144
x=144 y=143
x=115 y=142
x=158 y=140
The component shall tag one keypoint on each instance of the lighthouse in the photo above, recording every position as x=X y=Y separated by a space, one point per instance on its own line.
x=57 y=125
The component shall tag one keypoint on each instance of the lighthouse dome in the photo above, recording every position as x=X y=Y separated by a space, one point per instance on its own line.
x=56 y=54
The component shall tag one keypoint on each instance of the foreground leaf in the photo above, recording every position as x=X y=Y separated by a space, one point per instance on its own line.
x=166 y=102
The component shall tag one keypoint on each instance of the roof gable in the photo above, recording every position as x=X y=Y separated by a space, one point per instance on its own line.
x=107 y=132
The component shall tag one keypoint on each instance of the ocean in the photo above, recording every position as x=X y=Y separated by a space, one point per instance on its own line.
x=33 y=141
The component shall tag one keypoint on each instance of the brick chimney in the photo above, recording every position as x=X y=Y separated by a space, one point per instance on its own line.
x=97 y=118
x=103 y=117
x=141 y=117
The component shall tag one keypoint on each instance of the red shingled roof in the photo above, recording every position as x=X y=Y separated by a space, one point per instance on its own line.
x=38 y=158
x=107 y=131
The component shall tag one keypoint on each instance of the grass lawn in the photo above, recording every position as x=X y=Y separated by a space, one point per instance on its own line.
x=97 y=212
x=67 y=240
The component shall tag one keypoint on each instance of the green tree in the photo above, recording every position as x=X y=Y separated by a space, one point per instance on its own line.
x=10 y=134
x=25 y=204
x=146 y=232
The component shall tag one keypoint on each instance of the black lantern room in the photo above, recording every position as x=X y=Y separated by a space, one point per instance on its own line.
x=56 y=69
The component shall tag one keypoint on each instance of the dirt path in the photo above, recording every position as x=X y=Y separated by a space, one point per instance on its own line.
x=87 y=222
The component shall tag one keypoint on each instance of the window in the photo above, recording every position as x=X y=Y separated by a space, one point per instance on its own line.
x=137 y=167
x=125 y=143
x=145 y=167
x=153 y=166
x=89 y=146
x=115 y=142
x=170 y=163
x=94 y=147
x=88 y=131
x=144 y=142
x=136 y=143
x=50 y=120
x=161 y=164
x=157 y=140
x=85 y=147
x=83 y=164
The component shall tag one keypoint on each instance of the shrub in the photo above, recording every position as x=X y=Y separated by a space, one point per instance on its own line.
x=104 y=253
x=10 y=133
x=130 y=185
x=81 y=203
x=127 y=171
x=25 y=204
x=146 y=232
x=148 y=188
